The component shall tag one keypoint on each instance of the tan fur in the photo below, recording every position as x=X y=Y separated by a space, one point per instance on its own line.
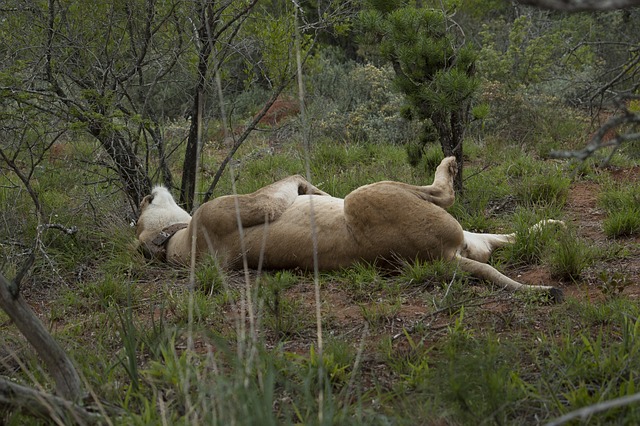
x=274 y=227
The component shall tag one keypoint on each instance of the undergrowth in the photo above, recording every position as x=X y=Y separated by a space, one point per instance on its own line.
x=421 y=343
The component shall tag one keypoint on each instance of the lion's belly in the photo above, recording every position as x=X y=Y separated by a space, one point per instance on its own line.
x=289 y=241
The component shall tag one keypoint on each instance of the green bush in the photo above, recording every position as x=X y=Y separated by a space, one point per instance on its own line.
x=357 y=103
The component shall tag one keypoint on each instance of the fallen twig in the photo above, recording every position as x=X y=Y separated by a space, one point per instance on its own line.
x=590 y=410
x=59 y=365
x=44 y=405
x=67 y=230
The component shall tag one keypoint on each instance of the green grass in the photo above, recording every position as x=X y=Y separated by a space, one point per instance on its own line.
x=569 y=256
x=622 y=205
x=623 y=223
x=380 y=313
x=361 y=281
x=283 y=314
x=531 y=245
x=422 y=344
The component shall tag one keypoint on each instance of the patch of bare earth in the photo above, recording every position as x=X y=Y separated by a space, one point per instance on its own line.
x=418 y=314
x=586 y=217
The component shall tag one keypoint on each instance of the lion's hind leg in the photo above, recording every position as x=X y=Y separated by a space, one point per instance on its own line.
x=224 y=215
x=441 y=192
x=491 y=274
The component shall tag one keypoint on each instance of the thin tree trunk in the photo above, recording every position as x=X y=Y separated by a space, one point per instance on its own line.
x=238 y=142
x=157 y=136
x=189 y=168
x=190 y=165
x=135 y=180
x=450 y=134
x=457 y=140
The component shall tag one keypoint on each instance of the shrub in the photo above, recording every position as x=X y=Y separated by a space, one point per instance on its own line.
x=357 y=103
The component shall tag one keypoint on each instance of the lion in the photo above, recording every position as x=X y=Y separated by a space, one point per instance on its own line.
x=291 y=224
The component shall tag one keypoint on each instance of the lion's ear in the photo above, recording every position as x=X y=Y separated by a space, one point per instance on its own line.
x=146 y=201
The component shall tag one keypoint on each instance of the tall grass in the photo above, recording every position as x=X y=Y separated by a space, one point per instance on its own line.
x=423 y=344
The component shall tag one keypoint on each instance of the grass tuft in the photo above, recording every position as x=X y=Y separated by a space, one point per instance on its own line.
x=622 y=205
x=569 y=256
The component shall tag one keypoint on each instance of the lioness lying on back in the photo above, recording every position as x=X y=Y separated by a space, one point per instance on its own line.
x=278 y=227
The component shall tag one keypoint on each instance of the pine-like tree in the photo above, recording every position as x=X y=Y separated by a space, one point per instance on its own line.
x=434 y=69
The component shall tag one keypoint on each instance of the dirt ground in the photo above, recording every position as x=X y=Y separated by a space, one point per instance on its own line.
x=584 y=214
x=345 y=320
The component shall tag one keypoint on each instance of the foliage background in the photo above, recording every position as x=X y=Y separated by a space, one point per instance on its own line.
x=421 y=345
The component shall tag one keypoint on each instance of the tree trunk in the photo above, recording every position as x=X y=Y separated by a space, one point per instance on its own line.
x=190 y=165
x=449 y=129
x=458 y=123
x=157 y=135
x=135 y=180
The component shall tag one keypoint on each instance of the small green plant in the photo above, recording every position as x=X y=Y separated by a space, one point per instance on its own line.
x=282 y=312
x=380 y=312
x=427 y=156
x=616 y=198
x=209 y=277
x=421 y=273
x=459 y=332
x=361 y=281
x=193 y=306
x=543 y=189
x=338 y=357
x=130 y=335
x=590 y=368
x=408 y=358
x=522 y=165
x=569 y=256
x=476 y=377
x=112 y=290
x=530 y=245
x=612 y=284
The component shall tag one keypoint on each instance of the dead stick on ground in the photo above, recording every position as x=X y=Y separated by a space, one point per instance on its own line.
x=58 y=364
x=44 y=405
x=585 y=412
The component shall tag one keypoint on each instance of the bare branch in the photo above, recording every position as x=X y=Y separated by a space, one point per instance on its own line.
x=581 y=5
x=597 y=142
x=25 y=181
x=14 y=287
x=67 y=230
x=242 y=138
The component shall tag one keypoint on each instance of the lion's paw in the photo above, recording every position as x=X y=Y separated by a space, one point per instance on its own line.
x=451 y=165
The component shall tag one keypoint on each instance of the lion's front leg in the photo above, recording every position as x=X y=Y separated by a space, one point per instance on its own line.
x=478 y=246
x=305 y=187
x=267 y=204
